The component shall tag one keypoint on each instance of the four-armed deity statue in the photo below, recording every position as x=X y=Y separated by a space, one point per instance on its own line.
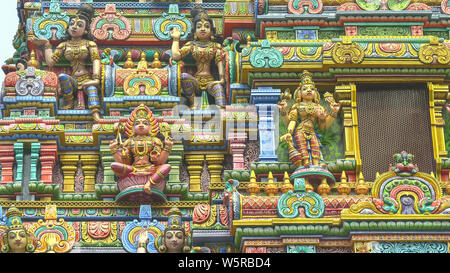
x=78 y=48
x=303 y=118
x=203 y=49
x=140 y=159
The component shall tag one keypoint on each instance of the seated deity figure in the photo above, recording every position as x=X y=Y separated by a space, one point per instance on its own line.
x=78 y=47
x=302 y=117
x=203 y=49
x=143 y=153
x=16 y=239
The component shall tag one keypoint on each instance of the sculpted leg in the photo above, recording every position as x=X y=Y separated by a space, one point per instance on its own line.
x=68 y=85
x=121 y=169
x=190 y=86
x=94 y=102
x=218 y=93
x=158 y=177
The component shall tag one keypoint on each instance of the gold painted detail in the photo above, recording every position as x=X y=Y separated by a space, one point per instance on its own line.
x=434 y=53
x=347 y=53
x=211 y=219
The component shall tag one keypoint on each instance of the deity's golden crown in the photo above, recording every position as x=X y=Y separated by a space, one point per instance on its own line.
x=306 y=78
x=174 y=221
x=14 y=221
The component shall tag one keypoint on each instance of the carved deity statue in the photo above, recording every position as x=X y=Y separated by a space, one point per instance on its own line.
x=16 y=238
x=203 y=49
x=143 y=153
x=302 y=117
x=78 y=48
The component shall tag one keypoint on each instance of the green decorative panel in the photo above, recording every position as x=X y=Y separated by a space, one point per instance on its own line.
x=301 y=249
x=409 y=247
x=328 y=35
x=384 y=31
x=18 y=151
x=286 y=35
x=441 y=34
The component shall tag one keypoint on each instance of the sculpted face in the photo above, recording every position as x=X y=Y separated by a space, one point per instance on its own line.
x=174 y=241
x=77 y=27
x=141 y=127
x=308 y=92
x=17 y=240
x=203 y=30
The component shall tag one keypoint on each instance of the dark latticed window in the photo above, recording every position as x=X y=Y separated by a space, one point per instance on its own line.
x=393 y=118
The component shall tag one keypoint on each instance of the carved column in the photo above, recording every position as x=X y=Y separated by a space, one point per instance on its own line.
x=265 y=100
x=346 y=96
x=48 y=160
x=34 y=157
x=89 y=166
x=18 y=150
x=7 y=162
x=195 y=167
x=69 y=167
x=215 y=167
x=107 y=159
x=438 y=96
x=237 y=147
x=175 y=159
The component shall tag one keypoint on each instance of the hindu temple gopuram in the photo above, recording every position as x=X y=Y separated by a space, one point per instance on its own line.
x=233 y=126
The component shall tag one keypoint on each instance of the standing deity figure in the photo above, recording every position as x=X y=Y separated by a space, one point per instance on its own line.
x=78 y=48
x=143 y=153
x=16 y=238
x=203 y=49
x=301 y=119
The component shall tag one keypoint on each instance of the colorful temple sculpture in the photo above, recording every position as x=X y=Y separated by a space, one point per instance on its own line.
x=234 y=126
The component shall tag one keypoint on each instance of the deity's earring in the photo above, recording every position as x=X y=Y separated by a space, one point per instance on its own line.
x=212 y=37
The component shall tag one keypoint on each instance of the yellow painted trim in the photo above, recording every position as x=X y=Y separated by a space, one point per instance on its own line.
x=398 y=217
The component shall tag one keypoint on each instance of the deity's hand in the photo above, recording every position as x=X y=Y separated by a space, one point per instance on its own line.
x=335 y=107
x=286 y=138
x=175 y=33
x=448 y=107
x=113 y=144
x=39 y=41
x=91 y=83
x=322 y=114
x=282 y=106
x=168 y=142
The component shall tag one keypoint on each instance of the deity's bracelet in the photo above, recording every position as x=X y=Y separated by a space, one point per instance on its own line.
x=142 y=245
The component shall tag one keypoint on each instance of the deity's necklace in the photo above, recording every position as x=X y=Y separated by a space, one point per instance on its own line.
x=138 y=143
x=310 y=107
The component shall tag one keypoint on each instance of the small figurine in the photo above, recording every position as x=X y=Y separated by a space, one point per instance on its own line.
x=16 y=238
x=301 y=119
x=143 y=153
x=203 y=50
x=77 y=48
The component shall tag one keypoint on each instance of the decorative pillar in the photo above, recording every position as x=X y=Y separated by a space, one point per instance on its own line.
x=438 y=96
x=7 y=161
x=195 y=167
x=215 y=167
x=69 y=167
x=107 y=159
x=18 y=150
x=265 y=99
x=237 y=148
x=48 y=160
x=346 y=95
x=35 y=149
x=175 y=159
x=89 y=167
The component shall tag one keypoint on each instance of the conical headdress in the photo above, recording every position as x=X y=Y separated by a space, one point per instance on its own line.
x=142 y=112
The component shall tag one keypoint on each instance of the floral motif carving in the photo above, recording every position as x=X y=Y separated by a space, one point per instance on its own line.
x=111 y=20
x=305 y=6
x=53 y=20
x=266 y=56
x=172 y=19
x=434 y=53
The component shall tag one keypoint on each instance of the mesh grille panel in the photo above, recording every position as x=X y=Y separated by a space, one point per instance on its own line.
x=391 y=119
